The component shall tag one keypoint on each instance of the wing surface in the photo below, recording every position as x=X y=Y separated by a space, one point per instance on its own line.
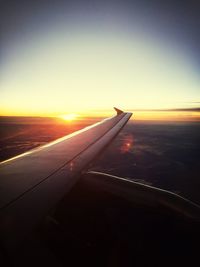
x=32 y=183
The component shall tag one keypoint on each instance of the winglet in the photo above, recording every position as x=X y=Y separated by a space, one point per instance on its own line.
x=118 y=111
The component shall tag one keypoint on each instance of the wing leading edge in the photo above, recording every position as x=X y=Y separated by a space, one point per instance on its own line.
x=32 y=183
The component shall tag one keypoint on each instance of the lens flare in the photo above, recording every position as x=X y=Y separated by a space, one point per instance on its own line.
x=127 y=144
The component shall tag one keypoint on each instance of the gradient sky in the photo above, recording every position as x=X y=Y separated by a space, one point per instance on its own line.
x=62 y=57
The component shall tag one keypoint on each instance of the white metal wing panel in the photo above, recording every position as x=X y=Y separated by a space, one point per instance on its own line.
x=32 y=184
x=23 y=172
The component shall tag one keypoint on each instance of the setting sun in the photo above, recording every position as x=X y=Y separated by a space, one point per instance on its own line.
x=69 y=117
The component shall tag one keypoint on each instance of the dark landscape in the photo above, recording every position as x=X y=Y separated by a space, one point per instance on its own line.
x=165 y=155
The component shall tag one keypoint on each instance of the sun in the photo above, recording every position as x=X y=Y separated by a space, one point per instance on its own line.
x=69 y=117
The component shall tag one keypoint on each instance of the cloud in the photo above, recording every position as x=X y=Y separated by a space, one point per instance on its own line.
x=172 y=109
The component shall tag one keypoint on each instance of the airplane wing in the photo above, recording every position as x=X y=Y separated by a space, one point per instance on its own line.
x=32 y=183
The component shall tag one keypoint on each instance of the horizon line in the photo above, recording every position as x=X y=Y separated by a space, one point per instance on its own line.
x=87 y=113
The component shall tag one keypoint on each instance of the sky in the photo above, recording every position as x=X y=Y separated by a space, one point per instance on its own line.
x=59 y=57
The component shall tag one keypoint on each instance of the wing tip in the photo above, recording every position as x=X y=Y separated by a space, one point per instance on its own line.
x=118 y=111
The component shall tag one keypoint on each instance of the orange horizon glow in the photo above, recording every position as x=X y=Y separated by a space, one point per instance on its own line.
x=138 y=115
